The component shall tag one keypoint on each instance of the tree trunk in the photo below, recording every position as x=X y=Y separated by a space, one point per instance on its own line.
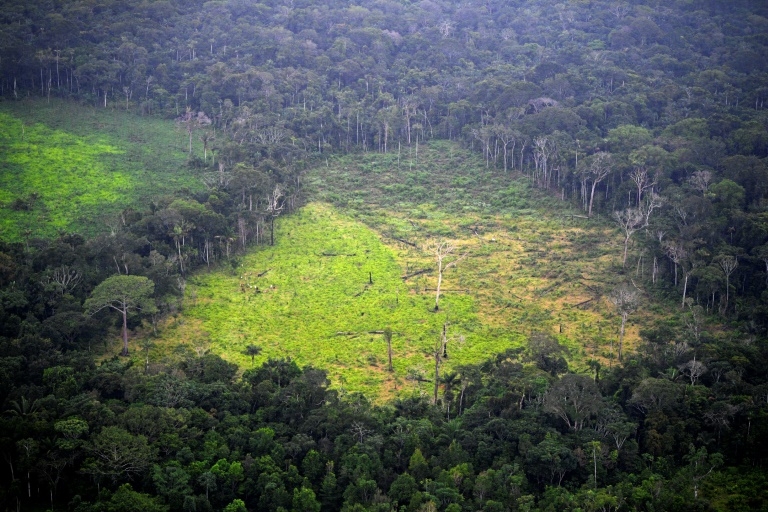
x=125 y=331
x=621 y=333
x=439 y=283
x=626 y=244
x=591 y=199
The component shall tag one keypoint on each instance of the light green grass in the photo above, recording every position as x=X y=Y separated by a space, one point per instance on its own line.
x=315 y=304
x=68 y=167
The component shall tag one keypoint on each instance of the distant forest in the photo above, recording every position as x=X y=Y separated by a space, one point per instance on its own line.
x=650 y=114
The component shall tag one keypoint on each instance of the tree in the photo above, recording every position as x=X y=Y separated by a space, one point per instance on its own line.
x=643 y=182
x=700 y=465
x=443 y=251
x=625 y=299
x=388 y=339
x=116 y=453
x=192 y=121
x=574 y=398
x=693 y=369
x=252 y=351
x=275 y=204
x=633 y=219
x=126 y=499
x=728 y=264
x=677 y=252
x=598 y=168
x=123 y=294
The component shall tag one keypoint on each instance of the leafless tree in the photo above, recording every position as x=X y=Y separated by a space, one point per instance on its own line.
x=694 y=321
x=720 y=416
x=633 y=219
x=620 y=9
x=643 y=182
x=191 y=122
x=66 y=278
x=542 y=150
x=693 y=369
x=388 y=339
x=677 y=252
x=659 y=234
x=275 y=204
x=360 y=431
x=728 y=265
x=597 y=170
x=626 y=300
x=508 y=140
x=539 y=104
x=445 y=258
x=700 y=181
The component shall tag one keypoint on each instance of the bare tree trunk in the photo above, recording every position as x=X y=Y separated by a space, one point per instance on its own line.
x=125 y=331
x=591 y=198
x=621 y=332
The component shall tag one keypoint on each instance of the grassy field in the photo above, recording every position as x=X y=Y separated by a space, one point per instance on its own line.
x=62 y=165
x=327 y=289
x=529 y=266
x=357 y=259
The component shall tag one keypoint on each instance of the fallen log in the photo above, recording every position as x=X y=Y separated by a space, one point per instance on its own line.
x=582 y=303
x=418 y=273
x=406 y=242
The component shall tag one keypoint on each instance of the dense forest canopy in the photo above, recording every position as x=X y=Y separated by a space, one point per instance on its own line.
x=650 y=114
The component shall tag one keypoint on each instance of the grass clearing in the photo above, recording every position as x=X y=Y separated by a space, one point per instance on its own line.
x=527 y=269
x=62 y=165
x=315 y=302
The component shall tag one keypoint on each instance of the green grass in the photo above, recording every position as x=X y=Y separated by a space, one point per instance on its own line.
x=316 y=305
x=64 y=165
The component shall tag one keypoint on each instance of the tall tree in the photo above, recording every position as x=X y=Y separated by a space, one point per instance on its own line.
x=123 y=294
x=597 y=169
x=445 y=259
x=633 y=219
x=626 y=300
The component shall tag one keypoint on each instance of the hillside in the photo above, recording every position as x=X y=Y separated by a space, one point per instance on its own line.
x=526 y=270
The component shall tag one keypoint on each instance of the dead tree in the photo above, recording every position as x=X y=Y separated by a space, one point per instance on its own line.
x=728 y=265
x=677 y=252
x=388 y=338
x=443 y=252
x=598 y=169
x=643 y=182
x=633 y=219
x=275 y=205
x=700 y=181
x=626 y=301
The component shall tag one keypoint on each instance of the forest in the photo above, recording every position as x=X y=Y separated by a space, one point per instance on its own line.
x=383 y=255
